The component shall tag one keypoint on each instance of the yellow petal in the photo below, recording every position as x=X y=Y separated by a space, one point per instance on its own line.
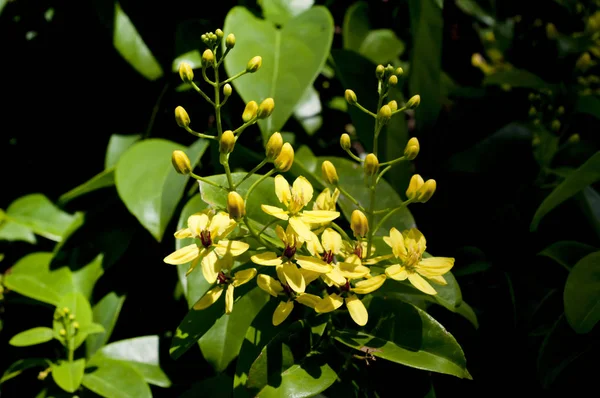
x=313 y=245
x=309 y=300
x=229 y=299
x=337 y=277
x=183 y=255
x=439 y=279
x=283 y=310
x=319 y=216
x=275 y=212
x=241 y=277
x=300 y=228
x=209 y=298
x=210 y=267
x=329 y=303
x=225 y=262
x=378 y=259
x=293 y=277
x=313 y=264
x=269 y=284
x=332 y=241
x=421 y=284
x=434 y=266
x=396 y=272
x=309 y=276
x=414 y=241
x=281 y=234
x=220 y=226
x=280 y=274
x=369 y=285
x=396 y=242
x=233 y=247
x=353 y=271
x=302 y=189
x=183 y=233
x=357 y=310
x=192 y=266
x=267 y=258
x=197 y=223
x=282 y=190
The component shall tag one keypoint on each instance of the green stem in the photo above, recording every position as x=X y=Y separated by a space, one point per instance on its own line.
x=392 y=162
x=391 y=213
x=251 y=172
x=261 y=179
x=207 y=181
x=240 y=130
x=365 y=110
x=267 y=226
x=353 y=156
x=223 y=158
x=222 y=59
x=371 y=217
x=232 y=78
x=341 y=231
x=399 y=110
x=197 y=134
x=346 y=194
x=206 y=79
x=253 y=232
x=202 y=93
x=382 y=173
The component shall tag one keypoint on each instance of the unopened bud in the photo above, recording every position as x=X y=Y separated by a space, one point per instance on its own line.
x=389 y=70
x=574 y=138
x=555 y=125
x=66 y=310
x=532 y=111
x=412 y=148
x=254 y=64
x=76 y=325
x=399 y=71
x=384 y=115
x=235 y=205
x=560 y=110
x=284 y=161
x=71 y=317
x=359 y=224
x=416 y=182
x=345 y=142
x=186 y=72
x=551 y=31
x=227 y=142
x=274 y=145
x=350 y=97
x=182 y=117
x=329 y=172
x=250 y=111
x=63 y=332
x=393 y=80
x=393 y=105
x=371 y=164
x=208 y=57
x=413 y=102
x=584 y=62
x=181 y=162
x=265 y=108
x=227 y=90
x=219 y=33
x=426 y=191
x=230 y=40
x=379 y=71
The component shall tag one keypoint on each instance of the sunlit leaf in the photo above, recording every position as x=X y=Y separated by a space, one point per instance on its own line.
x=113 y=378
x=68 y=374
x=117 y=145
x=281 y=11
x=105 y=312
x=381 y=46
x=33 y=336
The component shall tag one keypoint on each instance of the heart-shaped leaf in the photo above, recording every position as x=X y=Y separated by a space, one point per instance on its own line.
x=292 y=56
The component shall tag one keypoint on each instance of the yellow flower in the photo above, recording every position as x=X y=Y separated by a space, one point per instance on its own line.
x=295 y=198
x=409 y=248
x=212 y=249
x=326 y=200
x=277 y=289
x=239 y=278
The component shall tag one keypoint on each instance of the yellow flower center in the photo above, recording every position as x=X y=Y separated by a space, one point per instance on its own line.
x=296 y=204
x=412 y=259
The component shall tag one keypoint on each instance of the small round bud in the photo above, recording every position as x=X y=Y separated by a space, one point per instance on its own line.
x=389 y=70
x=265 y=109
x=574 y=138
x=71 y=317
x=560 y=110
x=385 y=114
x=66 y=310
x=359 y=224
x=584 y=61
x=227 y=90
x=181 y=117
x=555 y=125
x=230 y=40
x=76 y=325
x=219 y=33
x=63 y=332
x=393 y=105
x=181 y=162
x=379 y=71
x=413 y=102
x=254 y=64
x=350 y=97
x=208 y=57
x=532 y=111
x=416 y=182
x=426 y=191
x=235 y=205
x=185 y=72
x=284 y=161
x=551 y=31
x=345 y=142
x=329 y=173
x=371 y=164
x=204 y=37
x=250 y=111
x=227 y=142
x=274 y=145
x=412 y=148
x=399 y=71
x=393 y=80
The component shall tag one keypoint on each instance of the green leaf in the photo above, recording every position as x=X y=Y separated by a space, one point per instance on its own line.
x=567 y=253
x=588 y=104
x=68 y=375
x=142 y=353
x=117 y=145
x=356 y=26
x=194 y=58
x=92 y=328
x=105 y=312
x=586 y=174
x=516 y=78
x=222 y=342
x=582 y=294
x=85 y=278
x=381 y=46
x=101 y=180
x=11 y=231
x=33 y=336
x=148 y=184
x=589 y=202
x=116 y=379
x=21 y=365
x=281 y=11
x=293 y=56
x=131 y=46
x=471 y=7
x=80 y=307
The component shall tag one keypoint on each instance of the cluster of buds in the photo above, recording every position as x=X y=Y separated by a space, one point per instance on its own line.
x=280 y=153
x=544 y=111
x=70 y=326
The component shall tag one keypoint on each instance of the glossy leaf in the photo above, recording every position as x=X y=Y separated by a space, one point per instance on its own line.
x=116 y=379
x=148 y=184
x=68 y=375
x=33 y=336
x=308 y=37
x=85 y=278
x=117 y=145
x=11 y=231
x=105 y=312
x=131 y=46
x=356 y=25
x=381 y=46
x=516 y=78
x=586 y=174
x=582 y=294
x=80 y=307
x=567 y=253
x=104 y=179
x=22 y=365
x=281 y=11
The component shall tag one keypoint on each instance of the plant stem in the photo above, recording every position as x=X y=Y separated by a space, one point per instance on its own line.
x=391 y=213
x=346 y=194
x=267 y=226
x=197 y=134
x=207 y=181
x=353 y=156
x=365 y=110
x=251 y=172
x=341 y=231
x=224 y=159
x=206 y=97
x=232 y=78
x=246 y=221
x=392 y=162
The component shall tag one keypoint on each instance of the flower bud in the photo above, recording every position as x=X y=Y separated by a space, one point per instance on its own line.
x=66 y=310
x=584 y=62
x=284 y=161
x=76 y=325
x=371 y=164
x=235 y=205
x=385 y=114
x=379 y=71
x=208 y=57
x=273 y=148
x=227 y=90
x=359 y=224
x=389 y=70
x=574 y=138
x=393 y=105
x=551 y=31
x=412 y=148
x=266 y=108
x=393 y=80
x=181 y=117
x=250 y=111
x=254 y=64
x=416 y=182
x=219 y=33
x=71 y=317
x=399 y=71
x=62 y=332
x=181 y=162
x=350 y=97
x=560 y=110
x=230 y=40
x=532 y=111
x=413 y=102
x=227 y=142
x=555 y=125
x=329 y=172
x=345 y=142
x=426 y=191
x=185 y=72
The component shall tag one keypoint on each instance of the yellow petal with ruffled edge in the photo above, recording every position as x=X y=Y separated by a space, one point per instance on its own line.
x=434 y=266
x=336 y=277
x=183 y=233
x=396 y=272
x=302 y=189
x=293 y=277
x=369 y=285
x=300 y=228
x=440 y=280
x=275 y=212
x=198 y=223
x=329 y=303
x=267 y=258
x=309 y=300
x=318 y=216
x=245 y=276
x=332 y=241
x=282 y=190
x=353 y=271
x=414 y=241
x=229 y=299
x=183 y=255
x=421 y=284
x=313 y=264
x=210 y=267
x=233 y=247
x=357 y=310
x=396 y=242
x=209 y=298
x=269 y=284
x=283 y=310
x=309 y=276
